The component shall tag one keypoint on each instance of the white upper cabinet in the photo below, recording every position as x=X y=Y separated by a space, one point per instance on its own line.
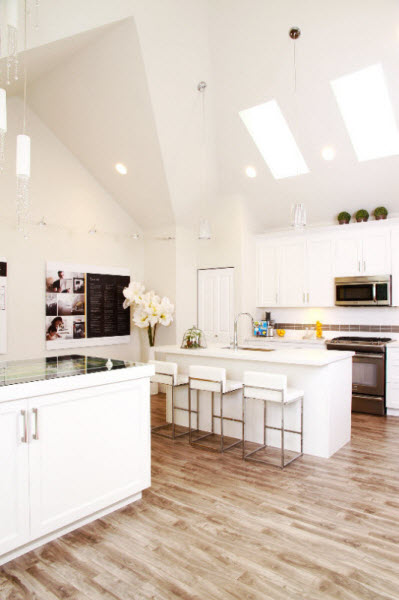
x=362 y=254
x=320 y=276
x=293 y=274
x=267 y=271
x=299 y=269
x=347 y=256
x=376 y=254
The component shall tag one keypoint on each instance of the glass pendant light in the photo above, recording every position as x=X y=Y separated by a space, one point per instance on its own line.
x=204 y=225
x=12 y=39
x=23 y=161
x=298 y=211
x=3 y=126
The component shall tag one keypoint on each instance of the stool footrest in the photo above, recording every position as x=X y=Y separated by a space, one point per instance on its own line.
x=279 y=429
x=226 y=418
x=158 y=431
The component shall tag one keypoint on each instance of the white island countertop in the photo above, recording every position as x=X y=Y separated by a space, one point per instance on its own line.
x=313 y=357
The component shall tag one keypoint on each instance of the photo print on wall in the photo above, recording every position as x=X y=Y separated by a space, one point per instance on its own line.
x=84 y=306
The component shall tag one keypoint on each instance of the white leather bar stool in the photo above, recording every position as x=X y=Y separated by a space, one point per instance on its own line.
x=166 y=373
x=270 y=387
x=213 y=379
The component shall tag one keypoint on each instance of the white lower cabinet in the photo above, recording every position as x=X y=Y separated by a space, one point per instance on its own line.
x=87 y=450
x=14 y=459
x=392 y=387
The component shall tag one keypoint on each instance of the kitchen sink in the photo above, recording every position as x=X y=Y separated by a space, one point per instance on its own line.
x=249 y=348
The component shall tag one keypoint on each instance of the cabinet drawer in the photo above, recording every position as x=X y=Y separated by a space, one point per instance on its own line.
x=392 y=399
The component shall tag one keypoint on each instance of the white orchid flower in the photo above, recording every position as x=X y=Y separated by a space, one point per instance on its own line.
x=141 y=318
x=133 y=293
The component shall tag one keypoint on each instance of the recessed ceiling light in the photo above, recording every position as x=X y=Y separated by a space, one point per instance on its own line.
x=366 y=109
x=250 y=171
x=121 y=168
x=328 y=153
x=271 y=134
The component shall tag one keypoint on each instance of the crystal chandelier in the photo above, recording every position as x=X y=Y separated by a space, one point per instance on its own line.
x=3 y=126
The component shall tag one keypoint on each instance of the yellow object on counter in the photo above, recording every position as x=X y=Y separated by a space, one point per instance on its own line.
x=280 y=332
x=319 y=330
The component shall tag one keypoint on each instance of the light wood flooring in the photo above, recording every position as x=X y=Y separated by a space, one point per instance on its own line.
x=215 y=527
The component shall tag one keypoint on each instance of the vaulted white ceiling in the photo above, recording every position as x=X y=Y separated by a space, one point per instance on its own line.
x=253 y=63
x=91 y=91
x=112 y=95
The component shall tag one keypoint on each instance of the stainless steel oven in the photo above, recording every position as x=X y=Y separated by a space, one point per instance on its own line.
x=363 y=291
x=368 y=371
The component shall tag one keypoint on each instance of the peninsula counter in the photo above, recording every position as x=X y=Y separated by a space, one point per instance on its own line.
x=324 y=375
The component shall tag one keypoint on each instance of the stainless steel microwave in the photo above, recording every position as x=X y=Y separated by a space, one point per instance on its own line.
x=363 y=291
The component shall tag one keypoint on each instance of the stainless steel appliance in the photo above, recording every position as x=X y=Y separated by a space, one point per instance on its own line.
x=368 y=371
x=363 y=291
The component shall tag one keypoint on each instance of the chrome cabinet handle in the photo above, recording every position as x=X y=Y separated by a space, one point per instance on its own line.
x=307 y=295
x=304 y=298
x=358 y=264
x=364 y=265
x=35 y=411
x=24 y=438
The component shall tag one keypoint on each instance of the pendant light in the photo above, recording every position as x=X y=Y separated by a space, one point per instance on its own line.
x=3 y=126
x=204 y=225
x=298 y=211
x=23 y=159
x=12 y=39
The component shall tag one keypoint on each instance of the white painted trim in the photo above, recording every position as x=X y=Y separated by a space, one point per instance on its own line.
x=60 y=532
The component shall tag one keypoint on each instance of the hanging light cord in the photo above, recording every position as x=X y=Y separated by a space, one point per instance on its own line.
x=25 y=69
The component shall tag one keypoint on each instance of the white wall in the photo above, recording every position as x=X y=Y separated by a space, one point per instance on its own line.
x=71 y=201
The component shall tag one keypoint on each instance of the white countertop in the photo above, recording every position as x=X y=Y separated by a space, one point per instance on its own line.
x=313 y=357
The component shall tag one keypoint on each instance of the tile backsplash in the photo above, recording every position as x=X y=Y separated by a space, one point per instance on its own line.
x=340 y=327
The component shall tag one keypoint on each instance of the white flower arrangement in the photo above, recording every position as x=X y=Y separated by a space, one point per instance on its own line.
x=149 y=310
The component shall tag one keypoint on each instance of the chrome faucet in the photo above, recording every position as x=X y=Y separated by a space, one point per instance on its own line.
x=235 y=343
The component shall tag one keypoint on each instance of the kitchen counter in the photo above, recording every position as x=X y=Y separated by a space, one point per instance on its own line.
x=325 y=376
x=313 y=357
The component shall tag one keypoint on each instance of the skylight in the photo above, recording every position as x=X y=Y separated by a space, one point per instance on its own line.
x=367 y=111
x=275 y=142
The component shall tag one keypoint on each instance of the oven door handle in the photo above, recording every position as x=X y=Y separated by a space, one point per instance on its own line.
x=363 y=355
x=374 y=292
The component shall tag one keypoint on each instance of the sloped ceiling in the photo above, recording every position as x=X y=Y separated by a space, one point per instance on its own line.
x=91 y=91
x=253 y=63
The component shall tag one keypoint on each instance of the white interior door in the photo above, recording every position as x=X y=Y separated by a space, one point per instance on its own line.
x=14 y=461
x=92 y=450
x=216 y=303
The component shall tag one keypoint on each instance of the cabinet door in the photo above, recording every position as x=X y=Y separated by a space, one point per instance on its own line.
x=347 y=256
x=320 y=277
x=376 y=254
x=14 y=496
x=267 y=266
x=395 y=266
x=293 y=274
x=93 y=449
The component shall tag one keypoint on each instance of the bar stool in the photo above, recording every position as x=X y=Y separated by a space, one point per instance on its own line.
x=213 y=379
x=166 y=373
x=270 y=387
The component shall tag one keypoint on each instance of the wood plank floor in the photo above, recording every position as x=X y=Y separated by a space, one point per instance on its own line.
x=214 y=527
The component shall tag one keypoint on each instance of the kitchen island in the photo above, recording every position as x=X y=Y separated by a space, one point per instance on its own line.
x=74 y=444
x=324 y=375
